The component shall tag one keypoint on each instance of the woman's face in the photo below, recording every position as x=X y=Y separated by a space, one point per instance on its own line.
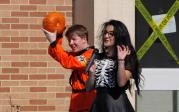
x=108 y=36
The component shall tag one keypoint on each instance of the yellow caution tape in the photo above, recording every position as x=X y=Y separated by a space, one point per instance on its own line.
x=157 y=29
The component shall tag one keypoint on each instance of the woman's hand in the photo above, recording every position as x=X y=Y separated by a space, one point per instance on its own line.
x=123 y=74
x=122 y=51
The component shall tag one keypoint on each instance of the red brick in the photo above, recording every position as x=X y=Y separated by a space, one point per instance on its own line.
x=20 y=90
x=38 y=89
x=28 y=83
x=11 y=58
x=38 y=52
x=19 y=77
x=35 y=26
x=19 y=14
x=37 y=1
x=10 y=45
x=38 y=64
x=4 y=26
x=38 y=39
x=56 y=76
x=10 y=20
x=4 y=39
x=19 y=2
x=38 y=14
x=62 y=95
x=29 y=108
x=10 y=83
x=4 y=1
x=54 y=2
x=19 y=39
x=5 y=63
x=37 y=77
x=64 y=8
x=4 y=77
x=19 y=26
x=10 y=70
x=14 y=51
x=46 y=108
x=20 y=64
x=4 y=89
x=38 y=102
x=28 y=7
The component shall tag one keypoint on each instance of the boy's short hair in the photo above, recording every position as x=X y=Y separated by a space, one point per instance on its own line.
x=80 y=30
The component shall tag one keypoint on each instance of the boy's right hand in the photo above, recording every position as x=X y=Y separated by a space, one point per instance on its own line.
x=51 y=37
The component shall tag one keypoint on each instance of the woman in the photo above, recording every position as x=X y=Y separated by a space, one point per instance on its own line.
x=113 y=69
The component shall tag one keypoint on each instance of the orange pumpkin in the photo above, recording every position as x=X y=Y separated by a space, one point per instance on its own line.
x=54 y=21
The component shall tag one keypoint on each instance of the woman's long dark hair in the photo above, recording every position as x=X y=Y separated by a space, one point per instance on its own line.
x=123 y=38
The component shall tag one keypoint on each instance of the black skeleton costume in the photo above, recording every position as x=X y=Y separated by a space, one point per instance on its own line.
x=110 y=97
x=105 y=73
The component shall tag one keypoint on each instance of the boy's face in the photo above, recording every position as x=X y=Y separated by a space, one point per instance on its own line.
x=77 y=43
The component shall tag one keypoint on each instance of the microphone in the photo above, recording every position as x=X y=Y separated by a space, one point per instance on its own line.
x=90 y=62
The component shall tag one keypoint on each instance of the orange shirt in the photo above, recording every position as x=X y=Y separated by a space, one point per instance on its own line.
x=81 y=100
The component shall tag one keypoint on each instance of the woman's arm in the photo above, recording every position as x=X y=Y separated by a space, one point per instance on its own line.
x=123 y=75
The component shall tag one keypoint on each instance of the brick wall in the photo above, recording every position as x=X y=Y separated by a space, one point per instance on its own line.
x=29 y=77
